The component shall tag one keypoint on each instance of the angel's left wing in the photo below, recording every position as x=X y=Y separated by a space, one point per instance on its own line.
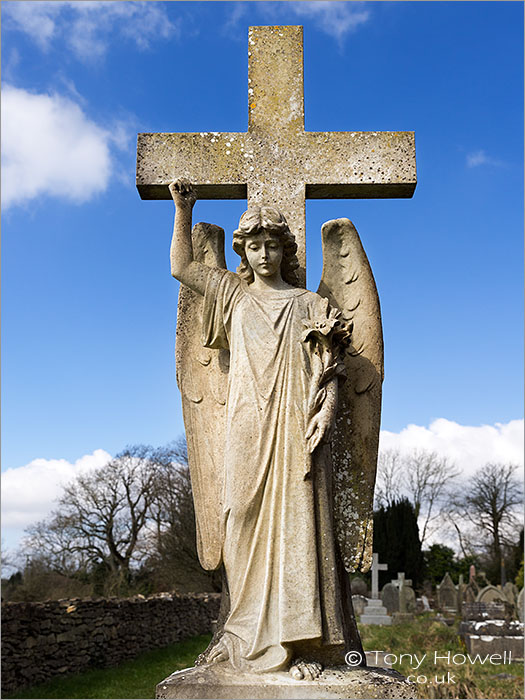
x=347 y=282
x=202 y=376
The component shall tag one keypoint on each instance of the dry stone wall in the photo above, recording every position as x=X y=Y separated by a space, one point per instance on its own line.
x=43 y=640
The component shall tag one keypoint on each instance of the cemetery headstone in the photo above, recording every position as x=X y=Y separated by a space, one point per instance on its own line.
x=375 y=613
x=376 y=568
x=390 y=597
x=359 y=602
x=447 y=594
x=491 y=628
x=490 y=594
x=497 y=610
x=407 y=597
x=470 y=593
x=460 y=593
x=511 y=592
x=358 y=586
x=422 y=604
x=407 y=600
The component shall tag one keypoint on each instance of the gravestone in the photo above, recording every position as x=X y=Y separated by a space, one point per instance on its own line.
x=447 y=594
x=511 y=592
x=491 y=594
x=407 y=597
x=359 y=602
x=496 y=610
x=390 y=597
x=398 y=596
x=276 y=163
x=490 y=628
x=422 y=604
x=358 y=586
x=461 y=593
x=470 y=593
x=472 y=589
x=376 y=568
x=407 y=600
x=375 y=613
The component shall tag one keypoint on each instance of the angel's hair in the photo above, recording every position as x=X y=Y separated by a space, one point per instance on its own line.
x=257 y=220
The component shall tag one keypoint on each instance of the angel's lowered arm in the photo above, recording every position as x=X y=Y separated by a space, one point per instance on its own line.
x=183 y=265
x=321 y=424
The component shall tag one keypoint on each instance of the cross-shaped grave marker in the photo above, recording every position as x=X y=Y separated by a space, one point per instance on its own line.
x=401 y=580
x=376 y=568
x=276 y=161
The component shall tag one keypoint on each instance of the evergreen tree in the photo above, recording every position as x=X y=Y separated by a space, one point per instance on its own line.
x=396 y=540
x=515 y=559
x=438 y=560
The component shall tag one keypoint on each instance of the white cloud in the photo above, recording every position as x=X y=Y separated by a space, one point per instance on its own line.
x=88 y=28
x=51 y=147
x=35 y=19
x=29 y=492
x=337 y=19
x=469 y=447
x=476 y=158
x=237 y=11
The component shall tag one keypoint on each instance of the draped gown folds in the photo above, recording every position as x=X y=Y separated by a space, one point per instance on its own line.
x=289 y=594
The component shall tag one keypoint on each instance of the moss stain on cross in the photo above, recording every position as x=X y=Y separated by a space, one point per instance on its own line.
x=276 y=161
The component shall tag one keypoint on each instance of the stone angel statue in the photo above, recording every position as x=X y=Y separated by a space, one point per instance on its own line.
x=281 y=396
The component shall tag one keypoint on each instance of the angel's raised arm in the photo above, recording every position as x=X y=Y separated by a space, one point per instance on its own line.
x=184 y=267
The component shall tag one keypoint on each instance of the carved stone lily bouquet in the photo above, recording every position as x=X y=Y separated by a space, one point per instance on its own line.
x=328 y=333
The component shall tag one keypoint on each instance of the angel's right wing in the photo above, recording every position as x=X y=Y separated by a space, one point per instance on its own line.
x=347 y=282
x=202 y=375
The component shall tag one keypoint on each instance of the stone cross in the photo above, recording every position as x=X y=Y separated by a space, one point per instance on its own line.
x=401 y=580
x=376 y=568
x=276 y=161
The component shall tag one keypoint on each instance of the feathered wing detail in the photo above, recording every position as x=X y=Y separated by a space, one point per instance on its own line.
x=202 y=376
x=347 y=282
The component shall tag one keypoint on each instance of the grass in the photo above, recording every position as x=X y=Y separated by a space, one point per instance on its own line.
x=136 y=678
x=427 y=635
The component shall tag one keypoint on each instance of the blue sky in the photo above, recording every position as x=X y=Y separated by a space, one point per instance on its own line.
x=89 y=306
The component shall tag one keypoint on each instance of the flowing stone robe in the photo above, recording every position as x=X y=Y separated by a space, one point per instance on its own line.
x=288 y=590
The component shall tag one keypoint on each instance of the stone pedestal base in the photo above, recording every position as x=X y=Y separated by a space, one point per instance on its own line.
x=375 y=613
x=218 y=682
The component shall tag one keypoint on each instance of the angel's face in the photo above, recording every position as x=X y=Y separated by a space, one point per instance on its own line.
x=264 y=253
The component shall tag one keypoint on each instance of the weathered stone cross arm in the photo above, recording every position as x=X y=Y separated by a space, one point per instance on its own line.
x=276 y=161
x=328 y=165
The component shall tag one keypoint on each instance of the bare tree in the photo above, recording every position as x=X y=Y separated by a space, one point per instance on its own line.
x=100 y=516
x=175 y=555
x=133 y=516
x=422 y=476
x=489 y=504
x=389 y=486
x=428 y=478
